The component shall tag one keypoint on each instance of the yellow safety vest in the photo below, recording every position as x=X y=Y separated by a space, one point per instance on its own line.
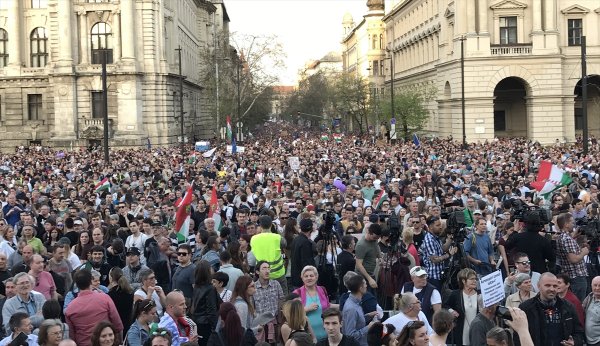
x=267 y=247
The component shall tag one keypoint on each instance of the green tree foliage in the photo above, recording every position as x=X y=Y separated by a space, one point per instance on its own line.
x=410 y=104
x=350 y=99
x=311 y=98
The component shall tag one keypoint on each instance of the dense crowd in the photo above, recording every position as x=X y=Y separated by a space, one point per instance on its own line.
x=356 y=241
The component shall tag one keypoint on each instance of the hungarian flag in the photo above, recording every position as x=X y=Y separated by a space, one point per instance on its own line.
x=337 y=137
x=192 y=157
x=379 y=199
x=182 y=217
x=550 y=178
x=229 y=132
x=324 y=137
x=214 y=211
x=104 y=184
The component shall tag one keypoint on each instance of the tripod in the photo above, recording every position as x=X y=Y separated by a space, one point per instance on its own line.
x=327 y=272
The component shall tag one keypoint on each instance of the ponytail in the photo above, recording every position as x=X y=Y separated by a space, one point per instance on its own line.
x=232 y=326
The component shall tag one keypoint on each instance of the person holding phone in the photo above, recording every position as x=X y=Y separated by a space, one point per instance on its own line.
x=20 y=327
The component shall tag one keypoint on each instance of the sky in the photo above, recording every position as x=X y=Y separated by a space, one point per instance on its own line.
x=307 y=29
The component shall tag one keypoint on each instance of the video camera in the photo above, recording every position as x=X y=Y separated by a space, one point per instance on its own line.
x=455 y=223
x=530 y=214
x=326 y=229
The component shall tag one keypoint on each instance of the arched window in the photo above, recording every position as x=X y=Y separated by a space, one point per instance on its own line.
x=3 y=48
x=39 y=47
x=101 y=43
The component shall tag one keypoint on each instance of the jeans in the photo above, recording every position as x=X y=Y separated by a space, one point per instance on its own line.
x=579 y=287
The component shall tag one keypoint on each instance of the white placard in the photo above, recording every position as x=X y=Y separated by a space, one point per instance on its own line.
x=294 y=162
x=492 y=288
x=239 y=149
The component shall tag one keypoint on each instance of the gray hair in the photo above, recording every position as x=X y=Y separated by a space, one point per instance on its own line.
x=309 y=268
x=23 y=274
x=349 y=274
x=96 y=274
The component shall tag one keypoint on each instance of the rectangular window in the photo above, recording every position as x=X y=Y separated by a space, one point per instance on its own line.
x=97 y=104
x=508 y=30
x=39 y=3
x=499 y=121
x=3 y=48
x=575 y=31
x=34 y=106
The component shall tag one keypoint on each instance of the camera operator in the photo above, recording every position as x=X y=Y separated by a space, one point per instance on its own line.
x=571 y=256
x=433 y=253
x=538 y=248
x=303 y=252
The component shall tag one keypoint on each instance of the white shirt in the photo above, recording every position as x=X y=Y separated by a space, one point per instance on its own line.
x=32 y=340
x=400 y=320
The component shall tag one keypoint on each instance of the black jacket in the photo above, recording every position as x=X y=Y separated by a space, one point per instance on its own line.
x=217 y=339
x=302 y=255
x=569 y=321
x=538 y=249
x=455 y=301
x=205 y=303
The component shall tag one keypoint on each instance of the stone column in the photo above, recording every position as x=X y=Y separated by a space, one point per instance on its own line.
x=14 y=33
x=470 y=16
x=83 y=31
x=128 y=30
x=550 y=13
x=537 y=15
x=65 y=32
x=460 y=18
x=483 y=17
x=116 y=30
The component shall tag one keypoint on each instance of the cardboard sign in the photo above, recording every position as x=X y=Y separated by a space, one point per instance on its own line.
x=492 y=288
x=294 y=162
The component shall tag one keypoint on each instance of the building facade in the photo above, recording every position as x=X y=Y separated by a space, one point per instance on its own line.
x=50 y=70
x=363 y=44
x=522 y=64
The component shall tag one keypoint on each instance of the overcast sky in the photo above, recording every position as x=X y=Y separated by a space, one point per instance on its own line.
x=308 y=29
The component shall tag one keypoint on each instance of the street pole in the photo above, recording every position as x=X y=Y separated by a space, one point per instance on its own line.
x=584 y=96
x=392 y=85
x=181 y=104
x=105 y=105
x=238 y=90
x=462 y=87
x=215 y=41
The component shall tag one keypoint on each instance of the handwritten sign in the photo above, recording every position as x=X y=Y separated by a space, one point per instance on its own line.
x=492 y=288
x=294 y=162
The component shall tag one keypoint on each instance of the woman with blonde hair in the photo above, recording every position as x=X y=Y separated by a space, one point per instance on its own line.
x=408 y=240
x=462 y=303
x=295 y=319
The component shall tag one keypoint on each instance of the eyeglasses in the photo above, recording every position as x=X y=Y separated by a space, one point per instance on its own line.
x=182 y=254
x=60 y=225
x=524 y=262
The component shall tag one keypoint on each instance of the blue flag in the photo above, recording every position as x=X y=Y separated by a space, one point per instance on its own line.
x=233 y=146
x=416 y=140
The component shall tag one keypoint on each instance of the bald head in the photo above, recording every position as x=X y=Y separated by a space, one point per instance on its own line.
x=548 y=286
x=176 y=304
x=596 y=287
x=67 y=342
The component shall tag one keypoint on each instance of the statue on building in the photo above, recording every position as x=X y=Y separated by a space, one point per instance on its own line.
x=375 y=5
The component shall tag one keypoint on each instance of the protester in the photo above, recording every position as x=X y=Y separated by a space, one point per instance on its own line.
x=315 y=300
x=231 y=331
x=174 y=319
x=105 y=334
x=204 y=302
x=50 y=332
x=414 y=333
x=333 y=324
x=144 y=313
x=462 y=303
x=524 y=286
x=428 y=295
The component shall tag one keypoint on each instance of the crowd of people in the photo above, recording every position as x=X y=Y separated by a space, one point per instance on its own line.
x=356 y=241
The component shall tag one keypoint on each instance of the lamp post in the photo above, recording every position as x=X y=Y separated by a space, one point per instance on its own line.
x=462 y=87
x=239 y=62
x=584 y=95
x=404 y=124
x=181 y=104
x=104 y=58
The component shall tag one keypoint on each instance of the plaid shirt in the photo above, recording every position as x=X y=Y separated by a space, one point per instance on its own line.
x=567 y=245
x=266 y=299
x=431 y=246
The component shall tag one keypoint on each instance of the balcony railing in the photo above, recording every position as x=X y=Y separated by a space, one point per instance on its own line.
x=517 y=49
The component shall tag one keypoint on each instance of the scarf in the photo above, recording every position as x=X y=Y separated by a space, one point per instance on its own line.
x=183 y=324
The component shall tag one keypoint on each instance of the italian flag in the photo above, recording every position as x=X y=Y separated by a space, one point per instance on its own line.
x=104 y=184
x=229 y=132
x=214 y=211
x=182 y=217
x=379 y=199
x=550 y=178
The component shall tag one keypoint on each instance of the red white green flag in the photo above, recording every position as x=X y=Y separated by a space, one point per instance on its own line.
x=550 y=178
x=104 y=184
x=379 y=199
x=182 y=216
x=229 y=132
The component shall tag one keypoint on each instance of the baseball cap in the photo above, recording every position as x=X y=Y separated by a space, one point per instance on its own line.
x=501 y=216
x=64 y=241
x=133 y=251
x=418 y=271
x=78 y=222
x=477 y=211
x=155 y=223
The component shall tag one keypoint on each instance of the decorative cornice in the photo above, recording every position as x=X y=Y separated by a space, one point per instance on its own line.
x=509 y=5
x=576 y=9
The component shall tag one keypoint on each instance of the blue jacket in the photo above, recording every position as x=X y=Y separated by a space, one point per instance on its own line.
x=136 y=335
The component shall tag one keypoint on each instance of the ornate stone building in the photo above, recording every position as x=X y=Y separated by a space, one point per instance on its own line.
x=363 y=44
x=522 y=64
x=50 y=70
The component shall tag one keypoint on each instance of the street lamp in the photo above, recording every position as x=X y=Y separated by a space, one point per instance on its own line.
x=181 y=104
x=462 y=86
x=391 y=58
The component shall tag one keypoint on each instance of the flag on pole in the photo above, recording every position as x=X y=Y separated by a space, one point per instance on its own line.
x=209 y=153
x=416 y=140
x=324 y=137
x=229 y=132
x=550 y=178
x=192 y=157
x=337 y=137
x=182 y=217
x=233 y=147
x=214 y=211
x=148 y=145
x=104 y=184
x=379 y=199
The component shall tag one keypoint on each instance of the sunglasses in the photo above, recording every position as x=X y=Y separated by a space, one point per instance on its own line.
x=182 y=254
x=524 y=262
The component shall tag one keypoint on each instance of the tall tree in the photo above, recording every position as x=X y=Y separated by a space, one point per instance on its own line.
x=410 y=104
x=350 y=97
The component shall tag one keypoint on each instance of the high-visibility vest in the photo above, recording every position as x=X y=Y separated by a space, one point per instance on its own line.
x=267 y=247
